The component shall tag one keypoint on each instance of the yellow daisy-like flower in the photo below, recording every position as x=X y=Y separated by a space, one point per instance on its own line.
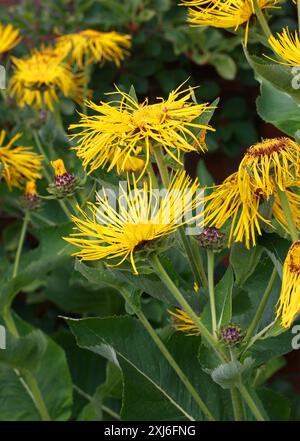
x=39 y=78
x=9 y=37
x=225 y=203
x=225 y=14
x=19 y=163
x=123 y=127
x=288 y=306
x=143 y=216
x=267 y=164
x=287 y=46
x=183 y=323
x=91 y=46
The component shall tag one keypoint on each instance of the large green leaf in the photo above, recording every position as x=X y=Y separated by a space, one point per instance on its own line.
x=53 y=378
x=143 y=364
x=278 y=108
x=244 y=261
x=36 y=263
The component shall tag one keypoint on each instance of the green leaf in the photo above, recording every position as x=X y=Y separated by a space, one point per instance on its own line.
x=266 y=371
x=244 y=261
x=223 y=301
x=228 y=375
x=53 y=378
x=144 y=368
x=279 y=109
x=276 y=405
x=278 y=75
x=225 y=66
x=36 y=263
x=24 y=352
x=204 y=176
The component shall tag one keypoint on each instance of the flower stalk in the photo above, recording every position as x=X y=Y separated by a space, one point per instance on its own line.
x=165 y=352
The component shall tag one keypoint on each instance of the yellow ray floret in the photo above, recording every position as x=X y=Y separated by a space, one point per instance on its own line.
x=123 y=128
x=226 y=14
x=287 y=46
x=91 y=46
x=288 y=306
x=267 y=164
x=19 y=163
x=225 y=203
x=142 y=217
x=183 y=323
x=9 y=37
x=38 y=79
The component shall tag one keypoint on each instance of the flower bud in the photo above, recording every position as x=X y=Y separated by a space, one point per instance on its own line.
x=65 y=184
x=212 y=239
x=30 y=200
x=231 y=334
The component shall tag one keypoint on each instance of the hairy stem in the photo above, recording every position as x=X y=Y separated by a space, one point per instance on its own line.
x=211 y=289
x=288 y=214
x=21 y=243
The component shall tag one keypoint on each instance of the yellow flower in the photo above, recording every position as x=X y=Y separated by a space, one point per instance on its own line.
x=287 y=47
x=59 y=167
x=226 y=14
x=30 y=188
x=19 y=164
x=225 y=203
x=120 y=128
x=267 y=164
x=9 y=37
x=142 y=217
x=288 y=306
x=92 y=46
x=183 y=323
x=38 y=78
x=131 y=165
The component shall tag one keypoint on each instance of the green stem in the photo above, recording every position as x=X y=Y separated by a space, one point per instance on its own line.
x=298 y=11
x=159 y=343
x=262 y=20
x=152 y=175
x=288 y=214
x=191 y=257
x=198 y=262
x=21 y=243
x=47 y=174
x=237 y=404
x=159 y=157
x=250 y=402
x=157 y=266
x=27 y=377
x=262 y=305
x=211 y=290
x=36 y=395
x=184 y=238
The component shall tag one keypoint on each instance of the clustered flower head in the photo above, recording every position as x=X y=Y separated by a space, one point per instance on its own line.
x=9 y=37
x=20 y=164
x=142 y=218
x=226 y=14
x=91 y=46
x=40 y=77
x=124 y=128
x=212 y=239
